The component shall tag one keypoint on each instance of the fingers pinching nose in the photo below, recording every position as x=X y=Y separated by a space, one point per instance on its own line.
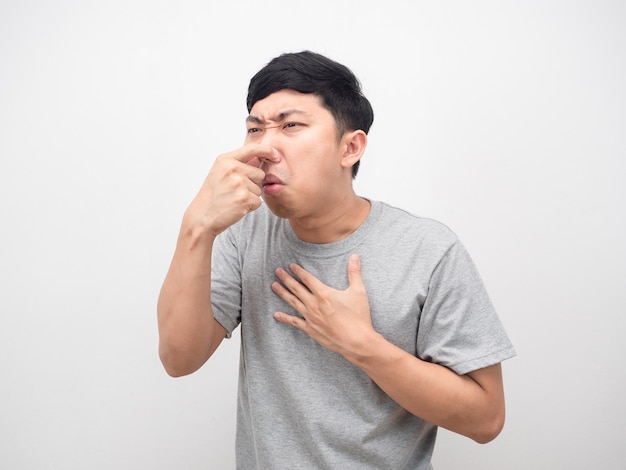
x=265 y=159
x=255 y=161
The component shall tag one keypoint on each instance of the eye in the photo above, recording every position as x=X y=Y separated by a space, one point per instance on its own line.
x=253 y=130
x=291 y=125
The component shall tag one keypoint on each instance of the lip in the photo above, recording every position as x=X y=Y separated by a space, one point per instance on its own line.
x=271 y=179
x=272 y=185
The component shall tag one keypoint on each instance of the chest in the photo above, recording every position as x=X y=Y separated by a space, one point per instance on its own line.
x=396 y=288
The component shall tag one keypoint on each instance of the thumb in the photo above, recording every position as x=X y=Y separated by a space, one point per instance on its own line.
x=354 y=271
x=255 y=162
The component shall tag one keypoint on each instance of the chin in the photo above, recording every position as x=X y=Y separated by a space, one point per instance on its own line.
x=279 y=210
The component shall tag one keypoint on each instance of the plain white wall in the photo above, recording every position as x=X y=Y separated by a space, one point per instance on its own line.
x=505 y=120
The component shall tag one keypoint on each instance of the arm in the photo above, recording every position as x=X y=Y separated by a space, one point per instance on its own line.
x=188 y=332
x=472 y=404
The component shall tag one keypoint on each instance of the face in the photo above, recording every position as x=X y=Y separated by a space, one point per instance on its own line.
x=312 y=175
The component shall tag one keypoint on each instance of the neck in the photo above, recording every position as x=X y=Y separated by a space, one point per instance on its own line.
x=334 y=225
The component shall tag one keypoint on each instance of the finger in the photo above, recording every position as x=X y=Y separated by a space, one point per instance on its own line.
x=354 y=271
x=253 y=157
x=273 y=157
x=255 y=185
x=288 y=296
x=307 y=279
x=292 y=320
x=254 y=204
x=255 y=162
x=291 y=283
x=255 y=153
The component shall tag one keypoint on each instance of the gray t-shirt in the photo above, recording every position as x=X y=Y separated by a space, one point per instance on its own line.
x=301 y=406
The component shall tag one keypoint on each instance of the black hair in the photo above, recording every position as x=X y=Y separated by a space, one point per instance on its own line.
x=309 y=72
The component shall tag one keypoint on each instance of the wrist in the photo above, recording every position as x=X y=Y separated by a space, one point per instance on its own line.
x=368 y=351
x=196 y=232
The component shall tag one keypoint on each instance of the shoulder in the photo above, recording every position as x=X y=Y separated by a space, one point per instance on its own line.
x=403 y=224
x=258 y=225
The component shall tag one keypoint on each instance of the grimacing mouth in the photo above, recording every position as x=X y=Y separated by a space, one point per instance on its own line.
x=271 y=179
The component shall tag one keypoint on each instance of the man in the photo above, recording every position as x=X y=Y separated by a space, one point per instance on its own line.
x=363 y=327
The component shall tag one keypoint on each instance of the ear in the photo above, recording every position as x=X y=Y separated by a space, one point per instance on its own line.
x=353 y=143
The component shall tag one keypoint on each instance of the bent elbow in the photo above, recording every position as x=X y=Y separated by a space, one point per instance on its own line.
x=489 y=430
x=173 y=366
x=175 y=372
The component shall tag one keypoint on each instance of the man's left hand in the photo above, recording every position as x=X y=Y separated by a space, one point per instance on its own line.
x=338 y=320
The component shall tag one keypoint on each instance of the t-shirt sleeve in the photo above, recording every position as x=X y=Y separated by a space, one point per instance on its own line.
x=226 y=282
x=459 y=327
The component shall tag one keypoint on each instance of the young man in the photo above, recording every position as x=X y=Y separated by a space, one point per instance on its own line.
x=363 y=327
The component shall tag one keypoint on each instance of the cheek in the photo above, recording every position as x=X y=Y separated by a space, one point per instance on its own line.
x=312 y=158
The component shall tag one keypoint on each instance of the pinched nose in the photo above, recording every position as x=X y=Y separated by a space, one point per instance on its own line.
x=266 y=160
x=263 y=159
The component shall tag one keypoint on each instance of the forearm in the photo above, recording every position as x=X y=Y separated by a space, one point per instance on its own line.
x=185 y=318
x=187 y=330
x=435 y=393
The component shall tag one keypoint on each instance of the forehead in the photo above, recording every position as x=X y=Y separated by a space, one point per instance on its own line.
x=288 y=102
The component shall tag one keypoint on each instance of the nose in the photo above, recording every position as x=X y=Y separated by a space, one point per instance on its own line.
x=271 y=137
x=266 y=161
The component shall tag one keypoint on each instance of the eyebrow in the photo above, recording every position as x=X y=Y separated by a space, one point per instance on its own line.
x=278 y=118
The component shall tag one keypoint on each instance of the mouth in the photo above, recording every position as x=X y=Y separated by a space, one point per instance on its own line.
x=272 y=185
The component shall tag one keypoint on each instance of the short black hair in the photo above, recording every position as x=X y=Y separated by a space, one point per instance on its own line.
x=309 y=72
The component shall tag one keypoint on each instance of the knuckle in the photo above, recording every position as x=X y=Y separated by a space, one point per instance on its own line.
x=239 y=195
x=254 y=205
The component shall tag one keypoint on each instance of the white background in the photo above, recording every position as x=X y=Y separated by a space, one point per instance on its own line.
x=505 y=120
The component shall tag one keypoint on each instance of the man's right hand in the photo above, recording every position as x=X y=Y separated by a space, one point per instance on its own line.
x=231 y=189
x=188 y=332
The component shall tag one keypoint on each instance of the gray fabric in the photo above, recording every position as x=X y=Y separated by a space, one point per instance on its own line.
x=301 y=406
